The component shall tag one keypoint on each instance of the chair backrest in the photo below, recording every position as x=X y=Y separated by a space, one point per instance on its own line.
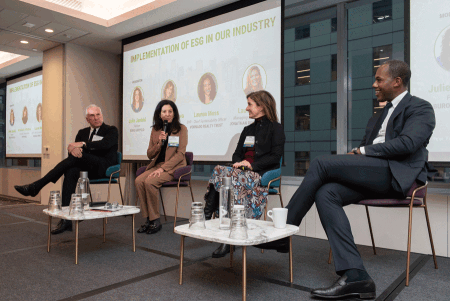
x=420 y=193
x=119 y=158
x=189 y=158
x=272 y=174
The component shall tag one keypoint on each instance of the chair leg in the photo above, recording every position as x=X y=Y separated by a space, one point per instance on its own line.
x=431 y=237
x=409 y=246
x=371 y=232
x=109 y=190
x=176 y=207
x=192 y=194
x=120 y=190
x=281 y=199
x=330 y=255
x=162 y=203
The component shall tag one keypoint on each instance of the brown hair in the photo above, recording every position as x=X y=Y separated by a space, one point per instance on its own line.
x=265 y=99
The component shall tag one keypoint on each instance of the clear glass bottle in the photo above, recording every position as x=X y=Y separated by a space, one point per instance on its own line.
x=83 y=188
x=226 y=203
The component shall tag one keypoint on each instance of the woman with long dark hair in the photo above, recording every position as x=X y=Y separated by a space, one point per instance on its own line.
x=259 y=150
x=207 y=89
x=166 y=151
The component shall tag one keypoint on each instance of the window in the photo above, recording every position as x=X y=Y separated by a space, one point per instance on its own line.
x=381 y=54
x=382 y=11
x=301 y=163
x=302 y=73
x=378 y=106
x=333 y=67
x=333 y=116
x=333 y=24
x=302 y=32
x=302 y=118
x=199 y=168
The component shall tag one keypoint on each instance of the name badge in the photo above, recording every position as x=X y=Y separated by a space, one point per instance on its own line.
x=249 y=141
x=174 y=141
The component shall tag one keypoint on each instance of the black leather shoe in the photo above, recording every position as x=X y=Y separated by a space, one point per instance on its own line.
x=152 y=228
x=27 y=190
x=63 y=225
x=362 y=289
x=221 y=251
x=211 y=202
x=143 y=228
x=281 y=245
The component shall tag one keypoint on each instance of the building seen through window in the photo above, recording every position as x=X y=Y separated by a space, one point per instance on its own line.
x=333 y=67
x=381 y=54
x=302 y=72
x=302 y=32
x=301 y=163
x=382 y=11
x=302 y=118
x=333 y=116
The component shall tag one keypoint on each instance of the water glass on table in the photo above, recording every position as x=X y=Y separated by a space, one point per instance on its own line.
x=197 y=218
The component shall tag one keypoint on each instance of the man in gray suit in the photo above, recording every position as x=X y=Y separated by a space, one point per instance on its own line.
x=391 y=156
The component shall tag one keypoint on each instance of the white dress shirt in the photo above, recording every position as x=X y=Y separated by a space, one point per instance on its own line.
x=381 y=136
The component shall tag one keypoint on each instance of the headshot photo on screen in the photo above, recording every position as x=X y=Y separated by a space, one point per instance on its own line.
x=169 y=91
x=137 y=101
x=39 y=112
x=11 y=117
x=207 y=88
x=442 y=49
x=25 y=115
x=253 y=79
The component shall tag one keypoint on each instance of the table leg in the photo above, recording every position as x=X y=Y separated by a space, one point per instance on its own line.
x=104 y=229
x=134 y=234
x=291 y=273
x=244 y=273
x=76 y=242
x=231 y=256
x=49 y=240
x=181 y=259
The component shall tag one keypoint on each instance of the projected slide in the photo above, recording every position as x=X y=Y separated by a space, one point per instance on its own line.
x=430 y=66
x=24 y=117
x=207 y=69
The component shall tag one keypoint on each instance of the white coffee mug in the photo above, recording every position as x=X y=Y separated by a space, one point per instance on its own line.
x=278 y=216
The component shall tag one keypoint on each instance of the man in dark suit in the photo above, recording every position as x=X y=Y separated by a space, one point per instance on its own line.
x=391 y=156
x=94 y=150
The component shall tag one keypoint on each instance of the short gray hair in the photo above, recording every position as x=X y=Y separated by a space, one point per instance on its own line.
x=92 y=106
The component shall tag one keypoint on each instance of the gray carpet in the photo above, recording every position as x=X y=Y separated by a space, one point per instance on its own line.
x=111 y=271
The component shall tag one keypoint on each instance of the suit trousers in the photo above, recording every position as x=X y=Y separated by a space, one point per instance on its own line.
x=147 y=190
x=70 y=168
x=335 y=181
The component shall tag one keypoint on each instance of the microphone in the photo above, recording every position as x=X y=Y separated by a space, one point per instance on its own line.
x=165 y=126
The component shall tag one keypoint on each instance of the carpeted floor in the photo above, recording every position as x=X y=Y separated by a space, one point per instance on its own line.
x=111 y=271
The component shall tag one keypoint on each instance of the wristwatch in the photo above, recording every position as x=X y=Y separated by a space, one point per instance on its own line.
x=355 y=150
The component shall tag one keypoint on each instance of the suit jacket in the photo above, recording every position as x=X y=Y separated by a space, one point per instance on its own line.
x=105 y=149
x=408 y=133
x=269 y=145
x=175 y=155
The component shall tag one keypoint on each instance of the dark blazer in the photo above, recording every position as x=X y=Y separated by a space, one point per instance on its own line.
x=408 y=133
x=105 y=149
x=269 y=145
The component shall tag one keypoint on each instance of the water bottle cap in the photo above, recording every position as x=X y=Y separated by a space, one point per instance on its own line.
x=83 y=174
x=226 y=181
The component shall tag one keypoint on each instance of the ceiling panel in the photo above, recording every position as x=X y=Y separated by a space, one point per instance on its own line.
x=9 y=17
x=57 y=28
x=39 y=45
x=7 y=37
x=69 y=35
x=30 y=19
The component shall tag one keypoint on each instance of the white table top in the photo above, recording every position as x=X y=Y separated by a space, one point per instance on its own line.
x=258 y=232
x=93 y=214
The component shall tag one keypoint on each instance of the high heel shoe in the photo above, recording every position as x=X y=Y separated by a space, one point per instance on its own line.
x=211 y=202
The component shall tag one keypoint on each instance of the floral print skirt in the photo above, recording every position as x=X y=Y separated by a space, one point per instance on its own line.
x=247 y=189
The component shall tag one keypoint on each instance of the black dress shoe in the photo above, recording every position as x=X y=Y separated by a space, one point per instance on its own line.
x=143 y=228
x=221 y=251
x=63 y=225
x=211 y=202
x=27 y=190
x=152 y=228
x=281 y=245
x=364 y=289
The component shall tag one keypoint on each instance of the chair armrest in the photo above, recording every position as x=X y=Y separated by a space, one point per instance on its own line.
x=113 y=169
x=184 y=172
x=140 y=171
x=270 y=175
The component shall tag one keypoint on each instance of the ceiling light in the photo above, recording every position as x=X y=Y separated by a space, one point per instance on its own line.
x=34 y=49
x=24 y=42
x=49 y=30
x=29 y=25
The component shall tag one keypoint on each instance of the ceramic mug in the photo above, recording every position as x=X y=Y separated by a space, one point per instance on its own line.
x=278 y=216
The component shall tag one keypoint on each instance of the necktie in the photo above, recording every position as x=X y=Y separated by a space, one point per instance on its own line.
x=92 y=135
x=380 y=120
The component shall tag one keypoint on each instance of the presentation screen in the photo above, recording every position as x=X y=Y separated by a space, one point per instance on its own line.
x=24 y=116
x=207 y=69
x=430 y=66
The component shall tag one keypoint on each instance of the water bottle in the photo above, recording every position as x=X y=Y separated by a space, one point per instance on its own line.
x=225 y=203
x=83 y=188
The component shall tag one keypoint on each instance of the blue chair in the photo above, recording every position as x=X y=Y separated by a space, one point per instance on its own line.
x=112 y=176
x=272 y=179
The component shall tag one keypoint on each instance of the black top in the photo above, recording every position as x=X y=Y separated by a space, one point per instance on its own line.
x=269 y=145
x=162 y=153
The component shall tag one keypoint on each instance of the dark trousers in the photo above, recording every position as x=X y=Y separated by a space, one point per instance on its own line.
x=70 y=168
x=333 y=182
